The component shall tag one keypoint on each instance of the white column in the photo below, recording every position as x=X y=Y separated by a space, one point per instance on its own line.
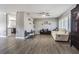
x=20 y=25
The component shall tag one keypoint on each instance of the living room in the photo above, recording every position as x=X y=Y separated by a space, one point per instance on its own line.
x=45 y=27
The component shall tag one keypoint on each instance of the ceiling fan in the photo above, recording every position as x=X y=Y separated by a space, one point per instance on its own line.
x=44 y=13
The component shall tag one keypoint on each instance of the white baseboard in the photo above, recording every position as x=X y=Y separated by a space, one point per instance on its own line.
x=20 y=38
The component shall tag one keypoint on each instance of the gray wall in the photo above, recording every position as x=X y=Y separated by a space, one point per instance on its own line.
x=45 y=23
x=28 y=23
x=20 y=24
x=2 y=24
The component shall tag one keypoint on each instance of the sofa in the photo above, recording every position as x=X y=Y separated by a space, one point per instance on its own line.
x=60 y=35
x=29 y=34
x=45 y=31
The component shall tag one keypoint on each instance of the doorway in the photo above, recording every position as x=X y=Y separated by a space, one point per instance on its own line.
x=11 y=24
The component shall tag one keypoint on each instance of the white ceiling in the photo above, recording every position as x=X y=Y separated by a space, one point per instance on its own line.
x=54 y=10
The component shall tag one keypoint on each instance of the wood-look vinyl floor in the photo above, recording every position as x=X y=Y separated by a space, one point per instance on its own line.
x=40 y=44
